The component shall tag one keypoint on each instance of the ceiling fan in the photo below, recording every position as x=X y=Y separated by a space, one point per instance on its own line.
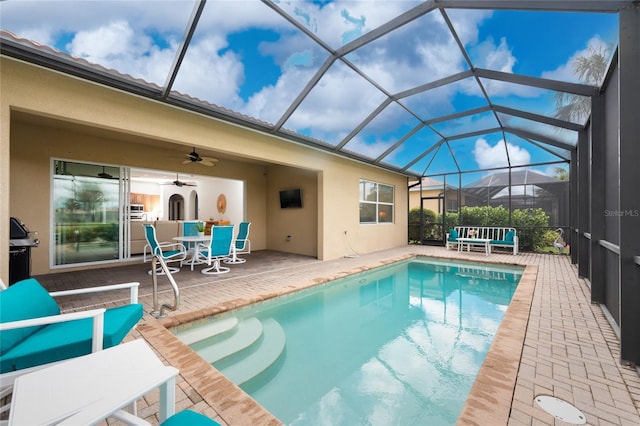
x=179 y=183
x=194 y=157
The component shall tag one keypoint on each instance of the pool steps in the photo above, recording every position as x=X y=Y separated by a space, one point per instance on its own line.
x=245 y=334
x=206 y=330
x=240 y=349
x=260 y=357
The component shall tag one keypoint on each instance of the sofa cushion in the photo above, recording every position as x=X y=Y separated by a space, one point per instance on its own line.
x=71 y=339
x=453 y=235
x=509 y=237
x=23 y=300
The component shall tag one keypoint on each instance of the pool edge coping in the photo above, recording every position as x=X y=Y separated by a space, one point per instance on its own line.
x=491 y=396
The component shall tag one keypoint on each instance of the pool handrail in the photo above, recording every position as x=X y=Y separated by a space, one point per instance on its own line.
x=176 y=291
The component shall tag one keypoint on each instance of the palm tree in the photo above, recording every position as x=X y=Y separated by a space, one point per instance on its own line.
x=561 y=174
x=590 y=69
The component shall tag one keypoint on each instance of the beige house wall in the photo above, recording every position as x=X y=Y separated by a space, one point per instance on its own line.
x=46 y=114
x=414 y=199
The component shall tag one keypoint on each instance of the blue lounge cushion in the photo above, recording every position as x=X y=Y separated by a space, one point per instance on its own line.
x=509 y=237
x=23 y=300
x=189 y=418
x=60 y=341
x=453 y=235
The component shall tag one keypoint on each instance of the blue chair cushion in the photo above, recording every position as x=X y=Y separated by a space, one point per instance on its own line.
x=60 y=341
x=501 y=242
x=23 y=300
x=509 y=236
x=169 y=253
x=189 y=418
x=453 y=235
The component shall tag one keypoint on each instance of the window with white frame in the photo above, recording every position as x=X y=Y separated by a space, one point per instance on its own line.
x=376 y=202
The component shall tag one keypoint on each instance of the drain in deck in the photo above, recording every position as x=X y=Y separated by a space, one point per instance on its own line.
x=561 y=410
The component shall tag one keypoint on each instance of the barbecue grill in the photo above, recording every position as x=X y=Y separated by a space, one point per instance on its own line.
x=20 y=243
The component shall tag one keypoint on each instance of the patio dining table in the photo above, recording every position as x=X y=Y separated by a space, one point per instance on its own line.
x=192 y=242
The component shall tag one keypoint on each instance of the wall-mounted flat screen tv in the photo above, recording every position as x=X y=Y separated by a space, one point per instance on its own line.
x=291 y=198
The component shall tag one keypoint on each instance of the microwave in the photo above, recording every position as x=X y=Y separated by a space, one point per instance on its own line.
x=136 y=211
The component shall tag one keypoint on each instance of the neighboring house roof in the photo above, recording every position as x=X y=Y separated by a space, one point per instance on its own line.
x=428 y=184
x=493 y=184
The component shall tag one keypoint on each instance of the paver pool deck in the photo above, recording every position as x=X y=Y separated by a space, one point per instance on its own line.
x=553 y=340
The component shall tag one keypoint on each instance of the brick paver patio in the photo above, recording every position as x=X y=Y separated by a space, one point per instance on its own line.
x=553 y=341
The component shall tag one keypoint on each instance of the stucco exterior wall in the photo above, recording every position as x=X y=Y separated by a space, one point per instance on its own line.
x=46 y=114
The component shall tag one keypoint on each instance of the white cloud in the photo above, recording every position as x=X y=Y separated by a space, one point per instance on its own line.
x=338 y=103
x=116 y=45
x=51 y=18
x=211 y=76
x=488 y=156
x=487 y=54
x=341 y=21
x=368 y=149
x=110 y=43
x=499 y=58
x=467 y=23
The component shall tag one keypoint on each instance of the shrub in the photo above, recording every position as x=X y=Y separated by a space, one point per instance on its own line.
x=451 y=220
x=548 y=238
x=530 y=225
x=484 y=216
x=414 y=223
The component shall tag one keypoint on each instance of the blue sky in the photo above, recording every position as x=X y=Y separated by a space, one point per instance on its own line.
x=245 y=57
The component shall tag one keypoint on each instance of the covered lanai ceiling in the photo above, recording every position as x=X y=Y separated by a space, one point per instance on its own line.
x=421 y=88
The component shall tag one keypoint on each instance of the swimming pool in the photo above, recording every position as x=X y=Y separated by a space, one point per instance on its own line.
x=401 y=344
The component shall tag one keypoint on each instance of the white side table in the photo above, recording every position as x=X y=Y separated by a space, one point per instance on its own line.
x=474 y=242
x=88 y=389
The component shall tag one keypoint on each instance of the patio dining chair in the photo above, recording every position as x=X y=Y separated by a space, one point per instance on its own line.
x=169 y=252
x=190 y=228
x=241 y=245
x=218 y=249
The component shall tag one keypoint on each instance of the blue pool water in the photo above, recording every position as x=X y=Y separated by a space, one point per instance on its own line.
x=400 y=344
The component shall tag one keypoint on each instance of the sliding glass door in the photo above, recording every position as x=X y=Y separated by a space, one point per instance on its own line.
x=86 y=200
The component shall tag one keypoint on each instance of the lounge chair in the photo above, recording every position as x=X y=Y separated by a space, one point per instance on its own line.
x=34 y=333
x=170 y=252
x=218 y=249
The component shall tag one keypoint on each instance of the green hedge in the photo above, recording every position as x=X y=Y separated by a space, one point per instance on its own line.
x=530 y=238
